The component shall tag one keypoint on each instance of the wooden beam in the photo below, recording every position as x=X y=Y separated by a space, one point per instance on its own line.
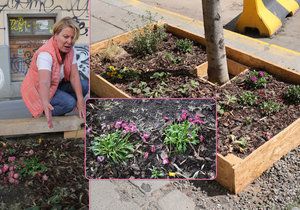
x=39 y=125
x=78 y=134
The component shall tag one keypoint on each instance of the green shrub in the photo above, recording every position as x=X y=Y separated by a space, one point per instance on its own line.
x=248 y=98
x=31 y=167
x=147 y=42
x=269 y=107
x=292 y=94
x=184 y=45
x=114 y=146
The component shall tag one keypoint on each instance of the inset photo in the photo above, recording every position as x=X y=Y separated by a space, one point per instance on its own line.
x=151 y=139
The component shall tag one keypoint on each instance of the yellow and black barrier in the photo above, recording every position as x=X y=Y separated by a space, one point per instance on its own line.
x=265 y=15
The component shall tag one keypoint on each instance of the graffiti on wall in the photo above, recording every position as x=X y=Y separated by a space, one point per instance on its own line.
x=82 y=57
x=77 y=8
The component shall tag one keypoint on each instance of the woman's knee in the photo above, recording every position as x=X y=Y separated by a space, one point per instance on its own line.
x=85 y=86
x=70 y=104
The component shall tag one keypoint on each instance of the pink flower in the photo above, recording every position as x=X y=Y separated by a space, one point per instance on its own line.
x=5 y=168
x=165 y=161
x=184 y=115
x=145 y=137
x=11 y=159
x=201 y=138
x=146 y=154
x=88 y=130
x=118 y=124
x=45 y=177
x=153 y=148
x=16 y=176
x=166 y=118
x=196 y=120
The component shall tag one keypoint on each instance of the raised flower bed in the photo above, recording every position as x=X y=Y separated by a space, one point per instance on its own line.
x=248 y=146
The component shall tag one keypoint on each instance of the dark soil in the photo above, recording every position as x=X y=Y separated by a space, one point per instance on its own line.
x=237 y=122
x=61 y=186
x=150 y=117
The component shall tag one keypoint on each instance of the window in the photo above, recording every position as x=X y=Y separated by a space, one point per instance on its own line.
x=26 y=35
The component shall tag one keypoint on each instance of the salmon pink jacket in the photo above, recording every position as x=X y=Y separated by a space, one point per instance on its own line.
x=30 y=84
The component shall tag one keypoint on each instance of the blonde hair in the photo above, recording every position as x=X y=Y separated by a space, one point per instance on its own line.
x=66 y=22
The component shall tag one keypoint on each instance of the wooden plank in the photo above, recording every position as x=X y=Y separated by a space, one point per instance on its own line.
x=78 y=134
x=39 y=125
x=266 y=155
x=225 y=170
x=104 y=89
x=283 y=74
x=235 y=68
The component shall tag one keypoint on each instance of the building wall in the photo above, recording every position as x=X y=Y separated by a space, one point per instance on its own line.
x=77 y=9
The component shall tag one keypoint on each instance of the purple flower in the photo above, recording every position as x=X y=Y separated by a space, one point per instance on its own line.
x=118 y=124
x=132 y=128
x=261 y=73
x=196 y=120
x=100 y=159
x=146 y=154
x=253 y=79
x=11 y=159
x=88 y=130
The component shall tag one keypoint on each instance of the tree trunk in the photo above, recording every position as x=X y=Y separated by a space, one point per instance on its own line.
x=215 y=45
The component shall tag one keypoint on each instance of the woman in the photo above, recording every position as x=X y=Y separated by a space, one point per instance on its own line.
x=52 y=85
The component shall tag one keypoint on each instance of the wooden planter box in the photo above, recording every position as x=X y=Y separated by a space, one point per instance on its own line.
x=232 y=172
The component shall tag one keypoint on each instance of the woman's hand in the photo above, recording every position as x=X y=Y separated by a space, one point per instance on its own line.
x=48 y=113
x=80 y=107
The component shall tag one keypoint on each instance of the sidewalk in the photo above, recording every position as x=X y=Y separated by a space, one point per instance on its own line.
x=112 y=17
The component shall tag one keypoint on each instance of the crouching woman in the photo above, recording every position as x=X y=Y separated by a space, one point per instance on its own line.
x=52 y=84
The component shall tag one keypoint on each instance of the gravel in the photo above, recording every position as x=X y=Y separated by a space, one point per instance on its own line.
x=277 y=188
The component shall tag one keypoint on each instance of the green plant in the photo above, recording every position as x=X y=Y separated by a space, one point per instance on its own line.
x=292 y=95
x=174 y=59
x=31 y=167
x=156 y=173
x=179 y=135
x=147 y=41
x=115 y=146
x=230 y=100
x=142 y=88
x=184 y=45
x=185 y=88
x=248 y=98
x=124 y=73
x=248 y=120
x=58 y=194
x=257 y=79
x=269 y=107
x=159 y=75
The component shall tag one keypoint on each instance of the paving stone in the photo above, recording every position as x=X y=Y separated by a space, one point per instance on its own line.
x=149 y=186
x=104 y=196
x=176 y=200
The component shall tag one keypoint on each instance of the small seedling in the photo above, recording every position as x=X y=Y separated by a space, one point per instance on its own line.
x=292 y=94
x=114 y=146
x=184 y=45
x=156 y=173
x=248 y=98
x=180 y=135
x=160 y=75
x=174 y=59
x=269 y=107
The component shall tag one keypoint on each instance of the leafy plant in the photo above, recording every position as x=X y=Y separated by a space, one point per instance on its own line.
x=184 y=45
x=142 y=88
x=185 y=88
x=179 y=135
x=248 y=98
x=174 y=59
x=230 y=99
x=59 y=194
x=147 y=41
x=292 y=94
x=31 y=167
x=115 y=146
x=269 y=107
x=124 y=73
x=160 y=75
x=257 y=79
x=156 y=173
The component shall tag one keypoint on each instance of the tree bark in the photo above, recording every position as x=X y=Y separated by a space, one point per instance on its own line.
x=215 y=45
